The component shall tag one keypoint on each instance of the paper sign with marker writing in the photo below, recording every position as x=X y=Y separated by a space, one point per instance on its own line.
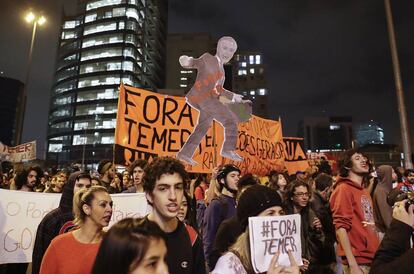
x=21 y=213
x=269 y=235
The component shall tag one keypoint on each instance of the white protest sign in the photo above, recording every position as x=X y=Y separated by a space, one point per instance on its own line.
x=21 y=213
x=129 y=205
x=269 y=235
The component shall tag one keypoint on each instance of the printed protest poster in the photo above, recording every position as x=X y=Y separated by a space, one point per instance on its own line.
x=295 y=156
x=21 y=213
x=18 y=154
x=151 y=124
x=269 y=235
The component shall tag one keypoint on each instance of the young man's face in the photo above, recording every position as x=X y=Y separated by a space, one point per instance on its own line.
x=31 y=179
x=167 y=196
x=410 y=177
x=359 y=164
x=232 y=179
x=81 y=184
x=111 y=172
x=137 y=175
x=226 y=50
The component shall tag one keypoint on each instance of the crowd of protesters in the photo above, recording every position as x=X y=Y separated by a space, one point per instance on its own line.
x=359 y=219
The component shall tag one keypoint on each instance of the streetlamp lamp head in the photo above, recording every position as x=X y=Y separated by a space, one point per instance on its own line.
x=41 y=20
x=30 y=17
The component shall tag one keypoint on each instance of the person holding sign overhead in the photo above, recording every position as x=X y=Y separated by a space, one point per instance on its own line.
x=75 y=252
x=256 y=200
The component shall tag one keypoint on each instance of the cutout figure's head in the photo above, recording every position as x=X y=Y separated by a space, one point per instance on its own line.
x=226 y=47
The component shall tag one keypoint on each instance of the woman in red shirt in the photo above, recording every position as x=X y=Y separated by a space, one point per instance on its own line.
x=74 y=252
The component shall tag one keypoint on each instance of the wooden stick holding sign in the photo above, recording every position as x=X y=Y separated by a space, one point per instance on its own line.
x=269 y=235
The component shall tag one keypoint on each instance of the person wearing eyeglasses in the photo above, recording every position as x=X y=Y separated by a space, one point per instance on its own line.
x=312 y=236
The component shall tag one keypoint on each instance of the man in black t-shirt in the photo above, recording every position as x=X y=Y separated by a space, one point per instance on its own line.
x=164 y=188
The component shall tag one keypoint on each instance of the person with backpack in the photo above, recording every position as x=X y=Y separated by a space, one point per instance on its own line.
x=163 y=184
x=221 y=208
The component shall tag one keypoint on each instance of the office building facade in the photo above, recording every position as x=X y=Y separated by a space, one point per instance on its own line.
x=107 y=43
x=370 y=133
x=326 y=133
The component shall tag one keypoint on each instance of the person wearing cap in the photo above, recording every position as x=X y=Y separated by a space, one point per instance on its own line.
x=257 y=200
x=221 y=208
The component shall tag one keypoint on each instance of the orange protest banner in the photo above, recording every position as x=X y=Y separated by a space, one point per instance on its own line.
x=295 y=156
x=151 y=124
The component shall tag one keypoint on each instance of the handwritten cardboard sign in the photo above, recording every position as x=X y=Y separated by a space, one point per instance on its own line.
x=20 y=153
x=269 y=235
x=21 y=213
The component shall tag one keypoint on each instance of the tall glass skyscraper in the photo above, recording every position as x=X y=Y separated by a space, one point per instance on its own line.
x=107 y=43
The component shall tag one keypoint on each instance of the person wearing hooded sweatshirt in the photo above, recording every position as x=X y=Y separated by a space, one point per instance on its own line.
x=352 y=214
x=59 y=220
x=382 y=211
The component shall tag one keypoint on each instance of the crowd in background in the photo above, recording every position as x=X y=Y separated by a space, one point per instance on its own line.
x=351 y=219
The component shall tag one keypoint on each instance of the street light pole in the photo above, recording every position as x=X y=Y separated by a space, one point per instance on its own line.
x=399 y=89
x=30 y=18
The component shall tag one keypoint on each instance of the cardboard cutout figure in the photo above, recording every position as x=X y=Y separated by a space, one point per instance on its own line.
x=213 y=101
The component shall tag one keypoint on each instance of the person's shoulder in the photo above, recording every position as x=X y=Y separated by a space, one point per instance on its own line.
x=63 y=238
x=229 y=263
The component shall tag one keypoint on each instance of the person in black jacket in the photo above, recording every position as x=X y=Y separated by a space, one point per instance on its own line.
x=394 y=254
x=59 y=220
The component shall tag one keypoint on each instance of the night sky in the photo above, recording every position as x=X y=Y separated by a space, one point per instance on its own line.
x=322 y=57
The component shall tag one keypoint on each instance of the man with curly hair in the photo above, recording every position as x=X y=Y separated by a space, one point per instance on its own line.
x=163 y=184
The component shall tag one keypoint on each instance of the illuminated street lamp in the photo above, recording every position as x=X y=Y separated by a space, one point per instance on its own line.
x=34 y=19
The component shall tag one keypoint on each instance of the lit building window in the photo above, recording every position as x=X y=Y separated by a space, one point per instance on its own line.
x=118 y=12
x=68 y=34
x=334 y=127
x=258 y=59
x=69 y=24
x=55 y=147
x=243 y=64
x=252 y=92
x=99 y=28
x=121 y=25
x=102 y=3
x=185 y=71
x=262 y=91
x=251 y=59
x=252 y=70
x=128 y=65
x=183 y=78
x=183 y=85
x=90 y=17
x=132 y=13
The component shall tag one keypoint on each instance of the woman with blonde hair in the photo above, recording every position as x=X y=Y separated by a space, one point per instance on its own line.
x=75 y=251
